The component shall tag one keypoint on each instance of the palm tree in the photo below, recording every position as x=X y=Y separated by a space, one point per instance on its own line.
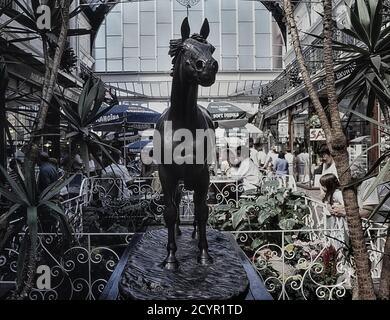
x=336 y=141
x=368 y=53
x=80 y=119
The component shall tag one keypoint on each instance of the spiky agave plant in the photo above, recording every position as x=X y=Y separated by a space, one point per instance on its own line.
x=28 y=205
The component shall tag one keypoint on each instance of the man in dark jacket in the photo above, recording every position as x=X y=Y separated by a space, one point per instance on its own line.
x=48 y=173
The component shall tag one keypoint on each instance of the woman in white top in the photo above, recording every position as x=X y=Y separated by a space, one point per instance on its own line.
x=333 y=196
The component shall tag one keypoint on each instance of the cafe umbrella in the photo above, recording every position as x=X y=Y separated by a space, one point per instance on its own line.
x=132 y=116
x=227 y=115
x=127 y=118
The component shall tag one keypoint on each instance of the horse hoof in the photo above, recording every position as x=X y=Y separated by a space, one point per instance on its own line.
x=170 y=262
x=170 y=265
x=205 y=259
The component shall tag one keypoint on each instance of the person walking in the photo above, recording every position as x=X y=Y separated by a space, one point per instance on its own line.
x=304 y=166
x=281 y=165
x=261 y=155
x=290 y=159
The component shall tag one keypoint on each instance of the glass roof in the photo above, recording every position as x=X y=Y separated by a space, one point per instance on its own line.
x=247 y=90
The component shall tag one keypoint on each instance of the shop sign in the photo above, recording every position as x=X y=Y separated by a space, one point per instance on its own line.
x=317 y=135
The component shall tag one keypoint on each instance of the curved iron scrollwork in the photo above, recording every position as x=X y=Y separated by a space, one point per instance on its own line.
x=278 y=15
x=78 y=273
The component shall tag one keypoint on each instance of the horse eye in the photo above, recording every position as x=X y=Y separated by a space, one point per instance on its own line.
x=200 y=64
x=212 y=49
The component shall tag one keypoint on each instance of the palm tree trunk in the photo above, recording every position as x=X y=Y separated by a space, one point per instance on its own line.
x=384 y=284
x=386 y=114
x=52 y=67
x=336 y=142
x=338 y=147
x=47 y=93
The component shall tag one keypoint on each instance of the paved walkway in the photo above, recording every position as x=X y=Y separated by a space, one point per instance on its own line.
x=314 y=194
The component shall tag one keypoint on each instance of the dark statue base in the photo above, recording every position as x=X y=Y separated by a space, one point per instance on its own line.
x=144 y=277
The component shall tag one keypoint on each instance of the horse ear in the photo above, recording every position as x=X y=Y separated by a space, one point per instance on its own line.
x=185 y=29
x=205 y=30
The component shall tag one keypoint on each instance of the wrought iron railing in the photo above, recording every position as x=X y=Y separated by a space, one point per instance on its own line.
x=294 y=264
x=291 y=78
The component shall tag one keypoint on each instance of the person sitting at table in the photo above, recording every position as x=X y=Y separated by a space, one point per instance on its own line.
x=246 y=170
x=117 y=171
x=225 y=164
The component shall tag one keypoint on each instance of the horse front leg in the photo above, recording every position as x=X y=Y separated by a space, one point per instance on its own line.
x=170 y=217
x=201 y=216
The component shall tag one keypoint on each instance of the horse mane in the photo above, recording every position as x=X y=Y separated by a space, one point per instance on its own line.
x=176 y=47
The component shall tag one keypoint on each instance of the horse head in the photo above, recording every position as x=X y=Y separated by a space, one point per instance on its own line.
x=193 y=56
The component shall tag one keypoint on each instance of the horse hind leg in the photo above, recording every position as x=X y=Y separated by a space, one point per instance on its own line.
x=177 y=204
x=194 y=231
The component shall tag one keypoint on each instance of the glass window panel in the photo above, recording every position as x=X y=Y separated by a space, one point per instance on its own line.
x=245 y=33
x=114 y=47
x=178 y=17
x=246 y=50
x=100 y=41
x=117 y=8
x=196 y=21
x=228 y=4
x=164 y=63
x=130 y=12
x=277 y=63
x=229 y=43
x=246 y=62
x=229 y=63
x=263 y=42
x=114 y=65
x=100 y=65
x=164 y=12
x=148 y=46
x=147 y=23
x=263 y=63
x=163 y=34
x=146 y=6
x=214 y=36
x=211 y=9
x=148 y=65
x=130 y=35
x=114 y=24
x=262 y=21
x=131 y=52
x=177 y=6
x=100 y=54
x=245 y=11
x=131 y=64
x=228 y=21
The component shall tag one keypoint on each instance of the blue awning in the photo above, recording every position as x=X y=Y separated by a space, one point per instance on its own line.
x=127 y=116
x=138 y=146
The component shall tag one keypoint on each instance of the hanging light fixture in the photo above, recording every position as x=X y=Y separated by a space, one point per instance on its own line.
x=188 y=3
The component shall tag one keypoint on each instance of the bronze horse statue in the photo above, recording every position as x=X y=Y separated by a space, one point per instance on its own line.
x=193 y=65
